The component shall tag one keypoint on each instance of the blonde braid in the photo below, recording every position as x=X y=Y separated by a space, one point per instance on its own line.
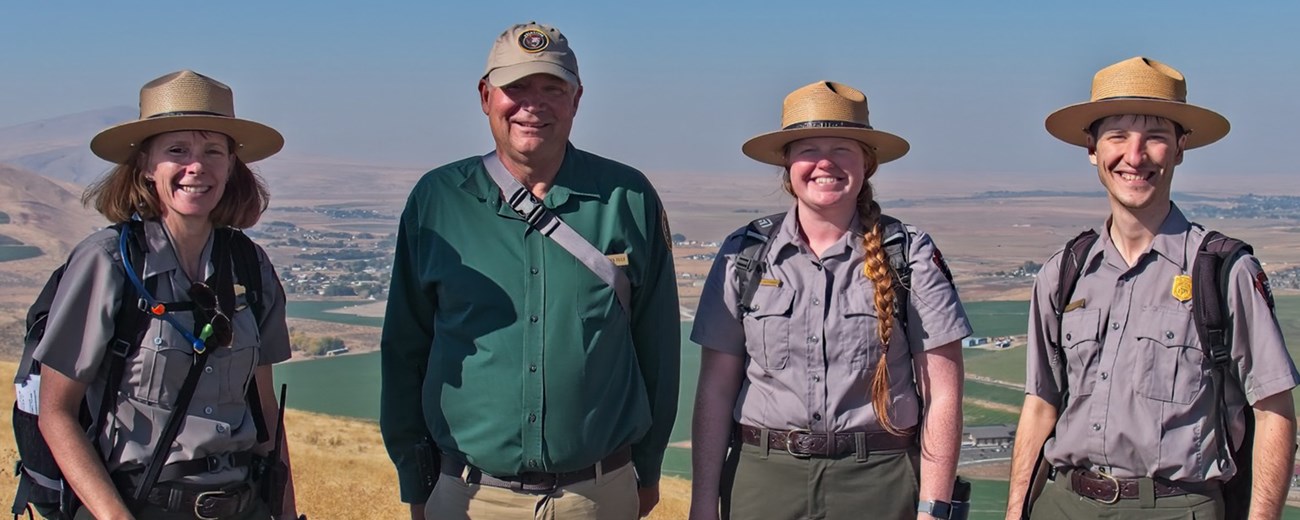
x=876 y=268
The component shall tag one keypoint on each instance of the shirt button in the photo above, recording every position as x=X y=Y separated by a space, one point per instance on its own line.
x=532 y=463
x=533 y=270
x=817 y=416
x=157 y=341
x=1105 y=376
x=533 y=318
x=1114 y=325
x=208 y=410
x=532 y=417
x=812 y=338
x=532 y=368
x=207 y=370
x=1169 y=334
x=1096 y=427
x=221 y=428
x=816 y=301
x=1067 y=336
x=817 y=379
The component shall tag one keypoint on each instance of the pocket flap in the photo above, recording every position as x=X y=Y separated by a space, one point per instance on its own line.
x=1080 y=326
x=772 y=301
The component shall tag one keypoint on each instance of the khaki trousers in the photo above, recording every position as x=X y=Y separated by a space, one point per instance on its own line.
x=609 y=496
x=1058 y=502
x=775 y=485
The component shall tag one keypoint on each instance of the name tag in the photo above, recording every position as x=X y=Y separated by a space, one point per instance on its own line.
x=1076 y=304
x=770 y=282
x=619 y=259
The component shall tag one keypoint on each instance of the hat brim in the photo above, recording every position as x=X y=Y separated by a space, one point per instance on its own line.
x=253 y=141
x=502 y=76
x=770 y=147
x=1203 y=126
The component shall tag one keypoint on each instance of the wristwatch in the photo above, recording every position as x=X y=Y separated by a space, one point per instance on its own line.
x=936 y=508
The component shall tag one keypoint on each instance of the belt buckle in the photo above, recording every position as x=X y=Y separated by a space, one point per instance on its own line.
x=789 y=443
x=199 y=500
x=1118 y=489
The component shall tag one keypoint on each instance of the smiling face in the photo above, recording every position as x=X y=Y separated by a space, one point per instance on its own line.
x=1135 y=158
x=531 y=116
x=827 y=173
x=188 y=170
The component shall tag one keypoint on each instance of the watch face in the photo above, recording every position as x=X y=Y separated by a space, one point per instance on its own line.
x=935 y=508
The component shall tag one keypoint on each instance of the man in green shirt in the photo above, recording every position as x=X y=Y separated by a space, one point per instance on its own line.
x=520 y=365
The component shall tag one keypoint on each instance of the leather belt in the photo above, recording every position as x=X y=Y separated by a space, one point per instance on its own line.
x=208 y=504
x=804 y=443
x=209 y=464
x=1109 y=489
x=535 y=482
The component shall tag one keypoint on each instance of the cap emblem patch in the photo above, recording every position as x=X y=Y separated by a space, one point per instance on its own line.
x=534 y=40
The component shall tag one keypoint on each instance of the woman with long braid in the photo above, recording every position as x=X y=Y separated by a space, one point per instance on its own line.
x=830 y=380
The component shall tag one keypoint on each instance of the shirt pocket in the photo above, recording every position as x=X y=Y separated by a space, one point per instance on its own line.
x=159 y=366
x=861 y=328
x=1081 y=340
x=1171 y=365
x=767 y=327
x=236 y=369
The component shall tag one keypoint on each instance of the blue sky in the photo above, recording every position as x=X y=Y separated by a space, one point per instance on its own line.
x=670 y=86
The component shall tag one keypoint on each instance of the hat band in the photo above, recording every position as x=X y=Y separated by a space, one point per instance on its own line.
x=186 y=113
x=826 y=124
x=1141 y=98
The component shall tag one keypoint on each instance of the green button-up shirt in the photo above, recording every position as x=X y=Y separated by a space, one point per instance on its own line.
x=507 y=350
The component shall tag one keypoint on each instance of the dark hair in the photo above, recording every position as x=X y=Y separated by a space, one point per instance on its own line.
x=1095 y=127
x=124 y=190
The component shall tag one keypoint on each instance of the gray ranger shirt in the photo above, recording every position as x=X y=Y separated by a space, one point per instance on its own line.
x=1141 y=393
x=81 y=325
x=812 y=344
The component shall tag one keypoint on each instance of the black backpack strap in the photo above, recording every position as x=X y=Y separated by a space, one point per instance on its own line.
x=1210 y=276
x=1073 y=259
x=223 y=285
x=897 y=243
x=751 y=261
x=248 y=270
x=129 y=327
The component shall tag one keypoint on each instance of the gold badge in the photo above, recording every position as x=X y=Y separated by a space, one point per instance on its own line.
x=1182 y=289
x=619 y=259
x=770 y=282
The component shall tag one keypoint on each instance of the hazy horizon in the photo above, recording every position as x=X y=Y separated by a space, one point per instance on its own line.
x=673 y=87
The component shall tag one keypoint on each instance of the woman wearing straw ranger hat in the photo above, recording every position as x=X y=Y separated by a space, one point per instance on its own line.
x=182 y=171
x=829 y=410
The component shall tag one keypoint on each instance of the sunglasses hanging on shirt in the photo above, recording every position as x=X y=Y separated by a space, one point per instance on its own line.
x=216 y=331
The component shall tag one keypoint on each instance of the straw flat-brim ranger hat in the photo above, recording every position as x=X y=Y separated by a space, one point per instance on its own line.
x=186 y=100
x=824 y=109
x=1138 y=86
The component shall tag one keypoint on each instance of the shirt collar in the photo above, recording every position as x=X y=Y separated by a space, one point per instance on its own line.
x=1170 y=242
x=572 y=180
x=788 y=237
x=161 y=256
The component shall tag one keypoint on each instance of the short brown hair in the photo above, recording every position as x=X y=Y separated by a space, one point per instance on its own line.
x=125 y=191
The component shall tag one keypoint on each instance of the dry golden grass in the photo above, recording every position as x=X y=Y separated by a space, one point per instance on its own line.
x=340 y=468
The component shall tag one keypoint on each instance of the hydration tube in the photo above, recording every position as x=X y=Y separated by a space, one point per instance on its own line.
x=155 y=308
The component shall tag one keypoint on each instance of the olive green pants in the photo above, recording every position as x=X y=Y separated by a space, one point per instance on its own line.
x=778 y=486
x=609 y=496
x=1058 y=502
x=259 y=511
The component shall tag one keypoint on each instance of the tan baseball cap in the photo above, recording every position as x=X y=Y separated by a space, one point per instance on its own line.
x=531 y=48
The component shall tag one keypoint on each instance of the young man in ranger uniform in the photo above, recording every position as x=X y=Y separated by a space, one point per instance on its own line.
x=1135 y=429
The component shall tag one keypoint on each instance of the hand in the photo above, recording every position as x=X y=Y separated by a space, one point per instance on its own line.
x=648 y=497
x=417 y=511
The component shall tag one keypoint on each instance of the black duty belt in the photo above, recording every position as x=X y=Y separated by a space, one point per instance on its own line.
x=535 y=482
x=804 y=443
x=1109 y=489
x=206 y=504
